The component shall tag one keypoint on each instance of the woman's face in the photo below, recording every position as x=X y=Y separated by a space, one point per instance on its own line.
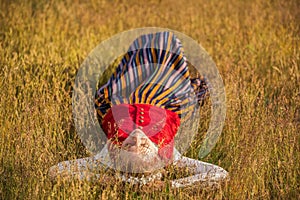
x=138 y=154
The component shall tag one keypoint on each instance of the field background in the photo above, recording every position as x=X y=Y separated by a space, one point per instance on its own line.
x=255 y=45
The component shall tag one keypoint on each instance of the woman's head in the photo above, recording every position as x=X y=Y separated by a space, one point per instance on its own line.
x=137 y=154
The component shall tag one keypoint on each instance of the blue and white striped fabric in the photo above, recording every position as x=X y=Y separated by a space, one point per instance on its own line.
x=154 y=71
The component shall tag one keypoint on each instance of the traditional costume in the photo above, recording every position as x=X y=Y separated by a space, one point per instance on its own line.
x=150 y=90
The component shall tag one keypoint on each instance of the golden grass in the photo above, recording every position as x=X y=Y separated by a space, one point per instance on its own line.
x=255 y=45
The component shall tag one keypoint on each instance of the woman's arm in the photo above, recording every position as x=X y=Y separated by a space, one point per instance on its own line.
x=83 y=169
x=202 y=172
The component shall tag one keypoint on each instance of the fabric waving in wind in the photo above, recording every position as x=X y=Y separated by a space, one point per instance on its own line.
x=154 y=71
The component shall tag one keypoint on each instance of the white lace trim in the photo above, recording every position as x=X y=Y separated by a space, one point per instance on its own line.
x=203 y=172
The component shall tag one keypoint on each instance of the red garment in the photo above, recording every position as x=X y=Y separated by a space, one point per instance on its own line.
x=159 y=124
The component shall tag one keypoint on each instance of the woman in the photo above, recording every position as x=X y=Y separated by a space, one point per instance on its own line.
x=141 y=109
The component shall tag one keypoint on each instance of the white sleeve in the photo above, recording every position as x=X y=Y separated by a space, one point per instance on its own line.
x=206 y=173
x=82 y=168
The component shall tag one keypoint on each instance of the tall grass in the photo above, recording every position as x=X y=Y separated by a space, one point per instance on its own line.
x=255 y=45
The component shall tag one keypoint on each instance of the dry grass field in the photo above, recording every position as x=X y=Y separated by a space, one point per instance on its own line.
x=255 y=45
